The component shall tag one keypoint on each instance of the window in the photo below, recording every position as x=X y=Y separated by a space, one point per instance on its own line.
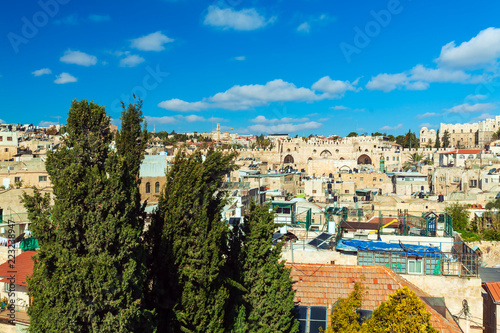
x=17 y=179
x=157 y=187
x=381 y=180
x=311 y=318
x=346 y=192
x=374 y=179
x=486 y=180
x=314 y=191
x=1 y=138
x=148 y=187
x=415 y=266
x=9 y=138
x=42 y=178
x=361 y=178
x=456 y=179
x=6 y=150
x=473 y=183
x=7 y=287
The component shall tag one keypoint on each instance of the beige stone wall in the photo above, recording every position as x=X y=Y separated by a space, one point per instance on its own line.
x=154 y=189
x=426 y=135
x=454 y=290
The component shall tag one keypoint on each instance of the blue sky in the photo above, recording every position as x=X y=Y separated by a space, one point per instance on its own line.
x=296 y=66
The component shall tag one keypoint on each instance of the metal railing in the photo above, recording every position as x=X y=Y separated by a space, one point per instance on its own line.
x=438 y=263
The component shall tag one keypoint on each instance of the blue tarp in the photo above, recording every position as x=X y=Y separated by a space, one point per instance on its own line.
x=354 y=245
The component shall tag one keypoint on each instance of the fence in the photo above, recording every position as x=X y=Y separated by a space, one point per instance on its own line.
x=438 y=263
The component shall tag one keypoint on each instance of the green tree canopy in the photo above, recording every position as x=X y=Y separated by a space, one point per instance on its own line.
x=352 y=134
x=459 y=214
x=269 y=297
x=89 y=274
x=344 y=317
x=446 y=139
x=403 y=312
x=437 y=144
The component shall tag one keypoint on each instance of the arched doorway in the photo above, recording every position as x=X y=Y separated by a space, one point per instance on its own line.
x=288 y=159
x=364 y=159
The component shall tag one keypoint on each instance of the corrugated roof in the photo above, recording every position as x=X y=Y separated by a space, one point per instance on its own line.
x=323 y=285
x=493 y=288
x=21 y=268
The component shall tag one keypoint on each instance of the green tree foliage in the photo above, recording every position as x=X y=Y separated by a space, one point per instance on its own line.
x=438 y=142
x=391 y=137
x=352 y=134
x=344 y=317
x=269 y=297
x=131 y=140
x=459 y=214
x=410 y=140
x=89 y=275
x=446 y=139
x=403 y=312
x=191 y=292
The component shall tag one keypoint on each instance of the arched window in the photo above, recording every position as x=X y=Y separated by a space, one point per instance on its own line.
x=157 y=187
x=148 y=187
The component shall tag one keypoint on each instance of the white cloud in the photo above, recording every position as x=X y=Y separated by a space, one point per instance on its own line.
x=2 y=121
x=161 y=120
x=284 y=128
x=44 y=123
x=391 y=128
x=480 y=51
x=99 y=18
x=483 y=116
x=78 y=58
x=240 y=58
x=246 y=97
x=418 y=78
x=194 y=118
x=176 y=104
x=264 y=120
x=151 y=42
x=387 y=82
x=339 y=107
x=304 y=27
x=243 y=20
x=40 y=72
x=71 y=20
x=427 y=115
x=131 y=60
x=335 y=88
x=428 y=125
x=477 y=97
x=65 y=78
x=471 y=108
x=420 y=73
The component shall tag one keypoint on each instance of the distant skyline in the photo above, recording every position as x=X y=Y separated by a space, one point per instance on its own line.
x=298 y=67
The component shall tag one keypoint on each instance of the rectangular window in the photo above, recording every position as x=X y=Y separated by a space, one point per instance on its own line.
x=473 y=183
x=455 y=179
x=42 y=178
x=314 y=191
x=6 y=150
x=286 y=210
x=9 y=138
x=486 y=180
x=415 y=266
x=346 y=192
x=311 y=318
x=1 y=138
x=17 y=179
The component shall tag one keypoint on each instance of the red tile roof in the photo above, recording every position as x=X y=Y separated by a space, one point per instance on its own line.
x=493 y=288
x=323 y=285
x=462 y=151
x=21 y=268
x=385 y=220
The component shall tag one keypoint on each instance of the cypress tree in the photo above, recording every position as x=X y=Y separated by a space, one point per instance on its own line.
x=88 y=274
x=446 y=139
x=190 y=281
x=438 y=143
x=269 y=300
